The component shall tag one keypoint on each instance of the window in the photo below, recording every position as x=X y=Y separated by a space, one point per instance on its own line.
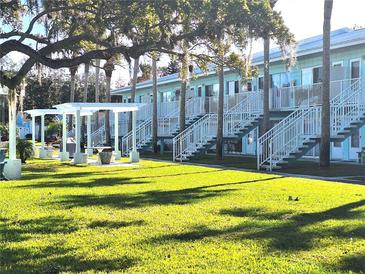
x=249 y=86
x=337 y=144
x=355 y=69
x=209 y=90
x=317 y=75
x=199 y=91
x=261 y=83
x=140 y=98
x=236 y=87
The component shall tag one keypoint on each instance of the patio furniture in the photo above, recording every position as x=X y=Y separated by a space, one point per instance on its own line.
x=104 y=157
x=2 y=164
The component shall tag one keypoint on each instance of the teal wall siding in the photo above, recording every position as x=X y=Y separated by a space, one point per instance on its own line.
x=314 y=60
x=195 y=82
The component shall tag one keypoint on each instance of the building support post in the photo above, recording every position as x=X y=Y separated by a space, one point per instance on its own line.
x=79 y=158
x=13 y=166
x=134 y=154
x=117 y=153
x=89 y=150
x=33 y=131
x=64 y=155
x=42 y=150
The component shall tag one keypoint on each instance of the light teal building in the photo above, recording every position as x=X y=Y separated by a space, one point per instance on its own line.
x=298 y=87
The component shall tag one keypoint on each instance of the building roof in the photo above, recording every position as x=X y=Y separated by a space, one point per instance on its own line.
x=340 y=38
x=164 y=79
x=53 y=111
x=115 y=107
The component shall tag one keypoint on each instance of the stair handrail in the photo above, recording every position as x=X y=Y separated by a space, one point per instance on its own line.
x=167 y=125
x=242 y=113
x=197 y=131
x=271 y=143
x=348 y=107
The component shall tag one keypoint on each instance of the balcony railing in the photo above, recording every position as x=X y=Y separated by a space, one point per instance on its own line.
x=305 y=96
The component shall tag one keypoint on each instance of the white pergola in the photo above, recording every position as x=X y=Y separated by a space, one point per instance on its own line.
x=64 y=155
x=79 y=108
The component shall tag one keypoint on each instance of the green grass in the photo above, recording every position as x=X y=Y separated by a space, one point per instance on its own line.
x=306 y=167
x=163 y=218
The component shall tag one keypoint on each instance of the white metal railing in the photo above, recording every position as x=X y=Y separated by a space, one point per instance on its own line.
x=347 y=107
x=289 y=135
x=167 y=125
x=306 y=95
x=201 y=132
x=98 y=137
x=194 y=137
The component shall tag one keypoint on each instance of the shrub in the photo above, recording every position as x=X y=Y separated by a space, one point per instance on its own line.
x=4 y=132
x=25 y=150
x=54 y=128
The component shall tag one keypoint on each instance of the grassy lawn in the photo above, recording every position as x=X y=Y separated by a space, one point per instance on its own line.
x=307 y=167
x=163 y=218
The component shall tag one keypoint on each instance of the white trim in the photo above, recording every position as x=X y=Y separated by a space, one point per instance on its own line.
x=317 y=50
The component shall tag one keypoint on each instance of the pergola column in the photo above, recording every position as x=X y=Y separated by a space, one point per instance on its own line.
x=12 y=169
x=64 y=155
x=117 y=153
x=134 y=154
x=88 y=129
x=42 y=151
x=79 y=158
x=33 y=130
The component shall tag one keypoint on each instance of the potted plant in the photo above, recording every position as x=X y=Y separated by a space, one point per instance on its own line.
x=105 y=156
x=25 y=150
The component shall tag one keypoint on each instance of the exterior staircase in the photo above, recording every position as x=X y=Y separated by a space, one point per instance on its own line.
x=201 y=135
x=168 y=126
x=298 y=133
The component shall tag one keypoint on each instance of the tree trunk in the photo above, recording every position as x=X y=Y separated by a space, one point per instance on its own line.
x=108 y=68
x=97 y=90
x=154 y=106
x=84 y=99
x=219 y=146
x=133 y=89
x=325 y=125
x=12 y=101
x=184 y=82
x=73 y=71
x=266 y=118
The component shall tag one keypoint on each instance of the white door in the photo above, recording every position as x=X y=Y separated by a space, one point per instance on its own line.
x=354 y=145
x=250 y=143
x=336 y=146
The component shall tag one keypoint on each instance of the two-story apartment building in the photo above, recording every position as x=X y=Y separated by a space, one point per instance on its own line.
x=291 y=89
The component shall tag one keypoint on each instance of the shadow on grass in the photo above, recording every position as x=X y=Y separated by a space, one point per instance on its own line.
x=34 y=171
x=287 y=232
x=151 y=198
x=109 y=181
x=53 y=258
x=99 y=182
x=354 y=263
x=56 y=259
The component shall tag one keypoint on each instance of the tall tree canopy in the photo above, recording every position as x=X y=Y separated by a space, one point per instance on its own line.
x=98 y=29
